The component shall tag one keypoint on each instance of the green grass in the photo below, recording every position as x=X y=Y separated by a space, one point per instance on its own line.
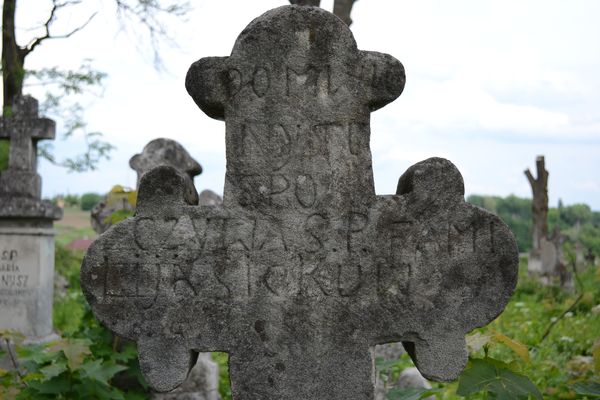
x=66 y=234
x=75 y=224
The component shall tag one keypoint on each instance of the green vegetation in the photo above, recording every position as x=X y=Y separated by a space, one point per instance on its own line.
x=89 y=200
x=87 y=362
x=578 y=222
x=560 y=365
x=74 y=225
x=4 y=145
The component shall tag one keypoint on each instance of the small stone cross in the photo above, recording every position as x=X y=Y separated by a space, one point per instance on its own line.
x=24 y=129
x=304 y=268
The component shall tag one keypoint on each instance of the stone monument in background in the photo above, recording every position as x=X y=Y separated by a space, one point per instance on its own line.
x=157 y=152
x=546 y=260
x=26 y=226
x=303 y=268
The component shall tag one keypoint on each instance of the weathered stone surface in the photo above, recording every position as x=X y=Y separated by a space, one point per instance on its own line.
x=163 y=151
x=20 y=185
x=26 y=279
x=209 y=198
x=303 y=268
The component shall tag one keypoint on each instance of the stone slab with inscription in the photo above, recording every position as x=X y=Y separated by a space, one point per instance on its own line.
x=26 y=234
x=303 y=269
x=26 y=280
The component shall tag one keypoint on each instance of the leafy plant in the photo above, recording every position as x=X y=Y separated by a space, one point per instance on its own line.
x=410 y=393
x=590 y=389
x=497 y=379
x=84 y=363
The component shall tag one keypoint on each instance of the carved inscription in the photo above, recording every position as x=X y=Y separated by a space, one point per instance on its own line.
x=12 y=275
x=290 y=165
x=311 y=80
x=250 y=253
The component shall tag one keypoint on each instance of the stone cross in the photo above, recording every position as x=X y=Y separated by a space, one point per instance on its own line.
x=303 y=269
x=24 y=128
x=163 y=151
x=26 y=234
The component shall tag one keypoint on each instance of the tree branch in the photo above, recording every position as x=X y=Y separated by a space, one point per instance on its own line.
x=55 y=7
x=529 y=177
x=150 y=14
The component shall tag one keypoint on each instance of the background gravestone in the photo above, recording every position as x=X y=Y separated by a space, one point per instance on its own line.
x=157 y=152
x=26 y=227
x=303 y=269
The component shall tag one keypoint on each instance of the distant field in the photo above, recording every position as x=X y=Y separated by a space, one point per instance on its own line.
x=75 y=224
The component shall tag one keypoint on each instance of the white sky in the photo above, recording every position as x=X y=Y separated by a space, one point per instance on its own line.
x=490 y=85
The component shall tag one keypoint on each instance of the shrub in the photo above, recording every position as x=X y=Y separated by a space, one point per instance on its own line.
x=89 y=200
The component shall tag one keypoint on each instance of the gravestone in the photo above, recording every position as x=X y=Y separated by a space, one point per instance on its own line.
x=303 y=269
x=163 y=151
x=546 y=261
x=26 y=227
x=157 y=152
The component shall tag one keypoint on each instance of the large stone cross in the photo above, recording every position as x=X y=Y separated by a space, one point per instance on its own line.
x=303 y=269
x=24 y=129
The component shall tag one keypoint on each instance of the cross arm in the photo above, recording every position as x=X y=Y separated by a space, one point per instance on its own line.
x=447 y=267
x=39 y=128
x=143 y=280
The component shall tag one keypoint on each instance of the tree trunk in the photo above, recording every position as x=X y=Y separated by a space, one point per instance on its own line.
x=343 y=8
x=316 y=3
x=12 y=56
x=539 y=205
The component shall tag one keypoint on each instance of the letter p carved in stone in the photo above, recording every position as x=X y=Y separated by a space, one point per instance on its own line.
x=303 y=269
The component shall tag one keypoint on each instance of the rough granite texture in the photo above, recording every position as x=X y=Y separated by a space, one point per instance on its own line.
x=303 y=269
x=20 y=184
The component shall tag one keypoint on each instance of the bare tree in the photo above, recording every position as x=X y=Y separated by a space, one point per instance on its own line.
x=343 y=8
x=539 y=205
x=150 y=15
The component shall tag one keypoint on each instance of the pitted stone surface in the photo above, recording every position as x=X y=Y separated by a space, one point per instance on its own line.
x=303 y=268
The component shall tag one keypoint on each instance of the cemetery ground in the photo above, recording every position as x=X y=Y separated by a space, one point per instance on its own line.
x=547 y=335
x=75 y=224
